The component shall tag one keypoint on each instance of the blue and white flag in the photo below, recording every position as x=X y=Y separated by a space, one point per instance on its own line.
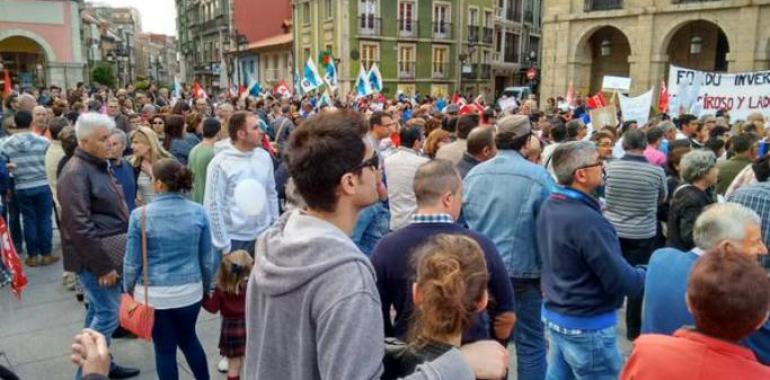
x=297 y=85
x=325 y=100
x=331 y=75
x=177 y=90
x=375 y=78
x=312 y=79
x=363 y=86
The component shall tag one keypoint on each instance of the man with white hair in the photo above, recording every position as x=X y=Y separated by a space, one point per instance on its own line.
x=731 y=225
x=40 y=120
x=94 y=224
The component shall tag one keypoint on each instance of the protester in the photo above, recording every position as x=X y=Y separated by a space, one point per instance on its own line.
x=481 y=147
x=53 y=155
x=331 y=281
x=745 y=150
x=435 y=140
x=178 y=142
x=438 y=190
x=229 y=299
x=584 y=275
x=689 y=126
x=179 y=266
x=729 y=295
x=557 y=134
x=233 y=227
x=699 y=175
x=26 y=151
x=400 y=168
x=147 y=151
x=200 y=157
x=94 y=212
x=158 y=124
x=120 y=168
x=634 y=189
x=652 y=152
x=454 y=151
x=492 y=190
x=604 y=142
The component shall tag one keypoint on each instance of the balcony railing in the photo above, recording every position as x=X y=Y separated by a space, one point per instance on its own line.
x=368 y=25
x=408 y=27
x=442 y=30
x=473 y=34
x=470 y=74
x=603 y=5
x=487 y=35
x=511 y=55
x=406 y=70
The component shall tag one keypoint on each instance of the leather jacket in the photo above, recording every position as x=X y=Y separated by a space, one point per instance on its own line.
x=92 y=207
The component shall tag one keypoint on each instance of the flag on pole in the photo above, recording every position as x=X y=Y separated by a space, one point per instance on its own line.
x=199 y=92
x=363 y=86
x=297 y=86
x=253 y=88
x=459 y=100
x=6 y=83
x=597 y=101
x=571 y=96
x=177 y=89
x=223 y=79
x=325 y=100
x=282 y=89
x=663 y=97
x=312 y=79
x=375 y=78
x=331 y=75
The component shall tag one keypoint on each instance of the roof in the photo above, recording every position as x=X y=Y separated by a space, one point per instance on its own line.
x=277 y=40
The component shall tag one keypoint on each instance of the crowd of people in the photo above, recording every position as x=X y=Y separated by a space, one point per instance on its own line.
x=411 y=237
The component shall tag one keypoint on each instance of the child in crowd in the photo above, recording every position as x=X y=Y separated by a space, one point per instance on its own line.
x=229 y=299
x=449 y=289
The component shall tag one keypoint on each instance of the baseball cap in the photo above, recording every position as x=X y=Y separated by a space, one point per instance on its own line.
x=518 y=125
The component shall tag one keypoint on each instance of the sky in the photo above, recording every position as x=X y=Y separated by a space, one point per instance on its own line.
x=158 y=16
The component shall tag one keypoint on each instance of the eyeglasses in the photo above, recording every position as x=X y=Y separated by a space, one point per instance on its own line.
x=373 y=162
x=595 y=164
x=157 y=122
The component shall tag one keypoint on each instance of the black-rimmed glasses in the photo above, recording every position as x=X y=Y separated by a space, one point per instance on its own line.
x=373 y=162
x=588 y=166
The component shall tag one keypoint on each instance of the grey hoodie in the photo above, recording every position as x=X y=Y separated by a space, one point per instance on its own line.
x=313 y=311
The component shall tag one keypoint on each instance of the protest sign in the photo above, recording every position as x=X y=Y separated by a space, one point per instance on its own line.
x=621 y=84
x=636 y=108
x=703 y=92
x=604 y=117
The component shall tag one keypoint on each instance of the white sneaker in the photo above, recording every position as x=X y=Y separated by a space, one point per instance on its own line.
x=223 y=365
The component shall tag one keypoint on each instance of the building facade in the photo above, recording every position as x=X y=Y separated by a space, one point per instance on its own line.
x=40 y=42
x=517 y=43
x=265 y=54
x=431 y=47
x=584 y=40
x=156 y=58
x=118 y=29
x=205 y=31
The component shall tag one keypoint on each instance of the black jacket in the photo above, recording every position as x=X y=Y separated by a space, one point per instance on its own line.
x=687 y=203
x=92 y=207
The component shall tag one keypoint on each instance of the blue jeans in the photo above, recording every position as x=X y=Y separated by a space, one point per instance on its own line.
x=373 y=223
x=176 y=328
x=583 y=354
x=528 y=335
x=103 y=309
x=36 y=206
x=247 y=245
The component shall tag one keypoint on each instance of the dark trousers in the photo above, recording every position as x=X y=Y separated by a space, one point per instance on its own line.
x=36 y=206
x=14 y=223
x=176 y=328
x=636 y=252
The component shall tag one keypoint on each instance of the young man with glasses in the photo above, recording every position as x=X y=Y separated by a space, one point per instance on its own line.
x=313 y=311
x=585 y=277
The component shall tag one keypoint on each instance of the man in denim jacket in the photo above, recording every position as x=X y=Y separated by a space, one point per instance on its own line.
x=502 y=200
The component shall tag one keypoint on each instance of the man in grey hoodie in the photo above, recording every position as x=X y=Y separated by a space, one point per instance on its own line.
x=313 y=310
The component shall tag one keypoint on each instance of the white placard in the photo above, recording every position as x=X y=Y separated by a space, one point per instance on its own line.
x=616 y=83
x=636 y=108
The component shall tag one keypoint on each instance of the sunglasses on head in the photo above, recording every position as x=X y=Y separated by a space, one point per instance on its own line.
x=373 y=162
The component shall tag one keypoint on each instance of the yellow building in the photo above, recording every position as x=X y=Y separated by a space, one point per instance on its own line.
x=584 y=40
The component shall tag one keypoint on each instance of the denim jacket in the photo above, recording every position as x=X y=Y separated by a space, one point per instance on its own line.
x=179 y=249
x=501 y=200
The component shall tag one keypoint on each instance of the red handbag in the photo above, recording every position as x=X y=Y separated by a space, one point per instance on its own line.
x=136 y=317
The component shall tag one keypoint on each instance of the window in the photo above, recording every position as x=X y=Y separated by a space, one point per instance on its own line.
x=440 y=59
x=329 y=48
x=511 y=47
x=473 y=17
x=306 y=13
x=306 y=56
x=441 y=19
x=370 y=53
x=328 y=10
x=367 y=10
x=406 y=59
x=488 y=23
x=406 y=22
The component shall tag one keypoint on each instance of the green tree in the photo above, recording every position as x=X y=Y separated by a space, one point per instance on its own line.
x=103 y=75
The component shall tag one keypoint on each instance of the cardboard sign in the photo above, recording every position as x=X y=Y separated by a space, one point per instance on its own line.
x=636 y=108
x=604 y=117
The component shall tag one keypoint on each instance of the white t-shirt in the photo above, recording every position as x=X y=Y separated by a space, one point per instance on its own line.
x=170 y=297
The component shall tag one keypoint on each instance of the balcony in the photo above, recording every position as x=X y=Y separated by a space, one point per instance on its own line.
x=469 y=74
x=602 y=5
x=442 y=31
x=511 y=55
x=370 y=26
x=408 y=28
x=406 y=70
x=487 y=35
x=473 y=34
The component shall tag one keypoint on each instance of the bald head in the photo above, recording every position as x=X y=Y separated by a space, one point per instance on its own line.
x=480 y=138
x=27 y=102
x=434 y=179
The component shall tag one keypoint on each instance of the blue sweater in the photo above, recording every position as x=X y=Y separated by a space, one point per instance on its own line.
x=665 y=308
x=395 y=274
x=584 y=274
x=126 y=177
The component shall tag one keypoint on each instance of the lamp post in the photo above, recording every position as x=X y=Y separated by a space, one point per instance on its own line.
x=239 y=40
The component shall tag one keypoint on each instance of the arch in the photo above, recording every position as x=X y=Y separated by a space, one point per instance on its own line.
x=588 y=63
x=582 y=55
x=50 y=56
x=684 y=20
x=712 y=49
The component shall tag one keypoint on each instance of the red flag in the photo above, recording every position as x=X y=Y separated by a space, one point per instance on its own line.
x=6 y=83
x=199 y=92
x=663 y=98
x=11 y=260
x=459 y=100
x=597 y=101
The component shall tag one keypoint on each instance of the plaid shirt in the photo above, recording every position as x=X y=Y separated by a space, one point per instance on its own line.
x=757 y=198
x=432 y=218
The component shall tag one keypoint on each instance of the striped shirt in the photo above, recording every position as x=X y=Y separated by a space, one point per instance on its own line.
x=757 y=198
x=634 y=188
x=27 y=150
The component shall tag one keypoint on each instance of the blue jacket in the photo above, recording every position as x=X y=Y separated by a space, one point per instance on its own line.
x=501 y=200
x=179 y=249
x=124 y=174
x=584 y=272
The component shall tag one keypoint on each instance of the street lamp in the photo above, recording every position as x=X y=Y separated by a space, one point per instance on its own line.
x=606 y=47
x=532 y=58
x=696 y=45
